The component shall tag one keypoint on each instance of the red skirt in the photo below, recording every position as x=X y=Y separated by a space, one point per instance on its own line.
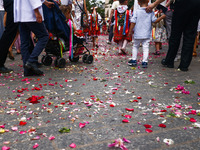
x=119 y=36
x=94 y=32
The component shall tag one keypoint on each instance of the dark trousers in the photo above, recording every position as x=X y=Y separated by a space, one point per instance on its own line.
x=8 y=35
x=111 y=33
x=40 y=31
x=184 y=21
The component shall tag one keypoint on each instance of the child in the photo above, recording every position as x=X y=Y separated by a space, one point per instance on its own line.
x=121 y=26
x=196 y=40
x=142 y=22
x=160 y=34
x=95 y=21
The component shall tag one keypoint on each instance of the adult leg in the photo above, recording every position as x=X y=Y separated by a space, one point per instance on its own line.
x=178 y=23
x=7 y=37
x=189 y=35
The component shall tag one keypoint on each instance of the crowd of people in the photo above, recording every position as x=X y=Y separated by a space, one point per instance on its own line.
x=161 y=21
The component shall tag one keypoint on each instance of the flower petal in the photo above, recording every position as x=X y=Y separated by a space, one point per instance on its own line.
x=162 y=125
x=73 y=145
x=125 y=121
x=147 y=126
x=81 y=125
x=125 y=140
x=192 y=120
x=149 y=130
x=129 y=109
x=128 y=116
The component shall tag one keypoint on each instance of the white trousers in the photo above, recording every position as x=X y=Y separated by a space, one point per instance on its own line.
x=145 y=46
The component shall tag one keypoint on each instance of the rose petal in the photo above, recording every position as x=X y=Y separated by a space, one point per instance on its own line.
x=81 y=125
x=147 y=126
x=22 y=123
x=51 y=138
x=192 y=120
x=148 y=131
x=128 y=116
x=36 y=145
x=125 y=121
x=5 y=148
x=129 y=109
x=125 y=140
x=73 y=145
x=162 y=125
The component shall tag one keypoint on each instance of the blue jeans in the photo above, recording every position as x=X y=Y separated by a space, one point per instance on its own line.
x=40 y=32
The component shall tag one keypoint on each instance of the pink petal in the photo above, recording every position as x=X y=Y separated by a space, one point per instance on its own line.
x=36 y=145
x=81 y=125
x=51 y=138
x=73 y=145
x=192 y=120
x=5 y=148
x=22 y=132
x=125 y=140
x=112 y=145
x=128 y=116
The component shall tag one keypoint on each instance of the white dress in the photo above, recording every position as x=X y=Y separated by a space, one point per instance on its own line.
x=78 y=11
x=198 y=29
x=24 y=10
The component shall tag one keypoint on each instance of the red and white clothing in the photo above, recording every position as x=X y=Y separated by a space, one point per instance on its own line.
x=94 y=23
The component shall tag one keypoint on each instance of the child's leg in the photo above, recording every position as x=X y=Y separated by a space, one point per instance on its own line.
x=145 y=46
x=124 y=44
x=157 y=45
x=120 y=46
x=136 y=46
x=195 y=47
x=96 y=40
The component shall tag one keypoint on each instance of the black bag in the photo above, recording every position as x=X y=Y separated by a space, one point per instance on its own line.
x=84 y=22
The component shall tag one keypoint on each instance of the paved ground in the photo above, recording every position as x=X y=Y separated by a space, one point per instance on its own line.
x=91 y=101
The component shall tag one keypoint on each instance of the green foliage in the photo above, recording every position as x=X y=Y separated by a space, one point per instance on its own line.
x=99 y=4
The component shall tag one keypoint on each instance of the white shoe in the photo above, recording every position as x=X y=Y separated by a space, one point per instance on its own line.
x=178 y=57
x=108 y=42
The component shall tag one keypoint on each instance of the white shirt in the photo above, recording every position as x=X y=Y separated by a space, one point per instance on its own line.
x=163 y=3
x=115 y=4
x=24 y=10
x=143 y=22
x=66 y=2
x=1 y=5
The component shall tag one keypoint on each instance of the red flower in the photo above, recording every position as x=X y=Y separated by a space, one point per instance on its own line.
x=147 y=126
x=129 y=109
x=125 y=121
x=162 y=125
x=22 y=123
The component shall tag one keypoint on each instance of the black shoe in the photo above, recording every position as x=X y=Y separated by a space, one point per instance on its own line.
x=163 y=62
x=34 y=68
x=39 y=65
x=183 y=69
x=5 y=70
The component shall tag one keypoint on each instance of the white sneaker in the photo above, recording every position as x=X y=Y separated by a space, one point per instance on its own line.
x=108 y=42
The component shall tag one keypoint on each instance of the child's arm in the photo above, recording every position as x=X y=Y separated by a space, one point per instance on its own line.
x=131 y=29
x=160 y=18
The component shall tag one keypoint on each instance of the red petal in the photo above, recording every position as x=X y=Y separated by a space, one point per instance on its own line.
x=129 y=109
x=198 y=94
x=192 y=120
x=162 y=125
x=148 y=131
x=163 y=111
x=153 y=99
x=139 y=97
x=147 y=126
x=125 y=121
x=135 y=100
x=128 y=116
x=112 y=105
x=169 y=106
x=21 y=123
